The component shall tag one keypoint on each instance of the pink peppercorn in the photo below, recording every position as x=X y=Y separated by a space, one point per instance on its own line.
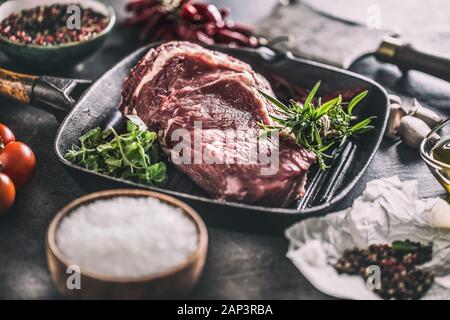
x=47 y=25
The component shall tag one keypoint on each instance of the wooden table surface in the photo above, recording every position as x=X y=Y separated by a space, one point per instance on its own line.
x=239 y=265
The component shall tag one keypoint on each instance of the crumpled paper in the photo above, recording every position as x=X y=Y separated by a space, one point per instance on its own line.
x=388 y=210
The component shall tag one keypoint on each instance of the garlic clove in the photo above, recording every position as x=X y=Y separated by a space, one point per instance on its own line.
x=439 y=214
x=394 y=99
x=413 y=130
x=396 y=113
x=427 y=115
x=325 y=125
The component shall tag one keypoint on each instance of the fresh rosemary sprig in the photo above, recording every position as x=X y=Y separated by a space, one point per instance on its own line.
x=318 y=128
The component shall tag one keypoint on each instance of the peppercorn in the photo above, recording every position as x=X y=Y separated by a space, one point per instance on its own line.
x=400 y=279
x=47 y=26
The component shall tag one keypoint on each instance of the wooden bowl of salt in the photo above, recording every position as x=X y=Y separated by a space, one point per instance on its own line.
x=126 y=244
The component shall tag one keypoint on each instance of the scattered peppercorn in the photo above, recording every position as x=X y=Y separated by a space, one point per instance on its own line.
x=400 y=279
x=47 y=25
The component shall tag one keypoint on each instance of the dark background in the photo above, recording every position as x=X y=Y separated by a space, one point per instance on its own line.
x=239 y=265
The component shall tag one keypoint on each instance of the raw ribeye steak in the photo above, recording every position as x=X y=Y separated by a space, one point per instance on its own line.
x=180 y=89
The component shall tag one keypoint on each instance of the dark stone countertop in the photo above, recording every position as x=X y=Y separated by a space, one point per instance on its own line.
x=239 y=265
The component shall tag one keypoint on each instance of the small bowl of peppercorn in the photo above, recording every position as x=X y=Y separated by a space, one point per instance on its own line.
x=52 y=34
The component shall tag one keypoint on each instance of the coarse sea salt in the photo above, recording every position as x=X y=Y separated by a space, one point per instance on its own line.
x=127 y=237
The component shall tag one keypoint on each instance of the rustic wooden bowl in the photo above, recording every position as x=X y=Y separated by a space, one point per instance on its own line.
x=173 y=283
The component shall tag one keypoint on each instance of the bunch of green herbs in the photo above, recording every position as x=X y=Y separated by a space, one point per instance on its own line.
x=133 y=155
x=318 y=127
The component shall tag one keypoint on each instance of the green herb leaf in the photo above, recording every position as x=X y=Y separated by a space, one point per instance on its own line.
x=311 y=95
x=323 y=109
x=318 y=128
x=275 y=102
x=133 y=155
x=404 y=246
x=355 y=101
x=133 y=119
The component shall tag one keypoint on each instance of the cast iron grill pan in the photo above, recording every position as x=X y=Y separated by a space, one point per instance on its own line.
x=98 y=107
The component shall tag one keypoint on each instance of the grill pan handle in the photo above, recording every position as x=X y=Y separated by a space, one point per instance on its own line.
x=53 y=94
x=265 y=53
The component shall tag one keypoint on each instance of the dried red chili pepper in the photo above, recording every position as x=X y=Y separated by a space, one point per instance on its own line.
x=187 y=20
x=188 y=11
x=204 y=38
x=213 y=15
x=241 y=28
x=225 y=35
x=225 y=12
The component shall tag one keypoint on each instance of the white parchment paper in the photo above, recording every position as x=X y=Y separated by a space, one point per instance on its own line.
x=388 y=210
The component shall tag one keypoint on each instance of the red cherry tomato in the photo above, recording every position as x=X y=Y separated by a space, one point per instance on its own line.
x=6 y=135
x=7 y=193
x=18 y=163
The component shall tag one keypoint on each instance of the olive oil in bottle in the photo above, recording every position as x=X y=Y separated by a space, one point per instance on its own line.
x=441 y=152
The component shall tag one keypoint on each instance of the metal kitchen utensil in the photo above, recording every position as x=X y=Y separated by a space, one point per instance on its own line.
x=98 y=107
x=339 y=43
